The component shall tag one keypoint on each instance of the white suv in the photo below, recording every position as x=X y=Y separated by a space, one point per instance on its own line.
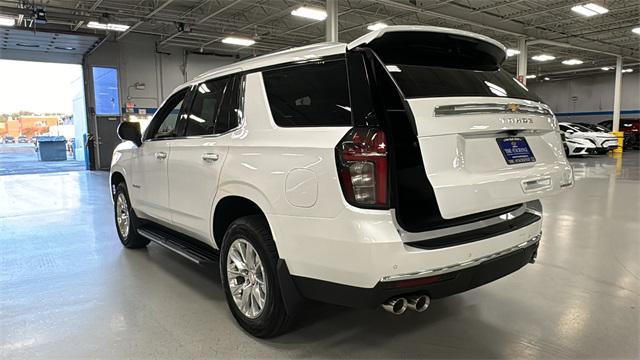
x=404 y=166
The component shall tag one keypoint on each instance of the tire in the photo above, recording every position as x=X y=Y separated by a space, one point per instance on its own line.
x=271 y=319
x=128 y=234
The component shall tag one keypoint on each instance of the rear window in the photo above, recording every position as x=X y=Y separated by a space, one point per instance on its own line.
x=315 y=94
x=426 y=64
x=430 y=81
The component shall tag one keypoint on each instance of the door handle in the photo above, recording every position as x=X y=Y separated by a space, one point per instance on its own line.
x=161 y=155
x=210 y=157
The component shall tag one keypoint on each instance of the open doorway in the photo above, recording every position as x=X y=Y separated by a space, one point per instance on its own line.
x=42 y=117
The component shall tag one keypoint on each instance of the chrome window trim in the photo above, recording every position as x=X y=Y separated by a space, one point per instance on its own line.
x=462 y=265
x=491 y=108
x=409 y=237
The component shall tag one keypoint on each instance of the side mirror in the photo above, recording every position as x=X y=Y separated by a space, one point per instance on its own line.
x=130 y=131
x=570 y=131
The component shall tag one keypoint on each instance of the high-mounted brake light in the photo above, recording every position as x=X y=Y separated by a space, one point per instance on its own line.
x=363 y=167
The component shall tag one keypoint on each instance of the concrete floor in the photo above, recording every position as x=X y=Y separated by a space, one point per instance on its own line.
x=69 y=290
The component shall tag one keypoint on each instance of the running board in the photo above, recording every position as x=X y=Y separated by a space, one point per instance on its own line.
x=198 y=253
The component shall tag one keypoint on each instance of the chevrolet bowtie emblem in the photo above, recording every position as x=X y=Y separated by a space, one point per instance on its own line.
x=513 y=107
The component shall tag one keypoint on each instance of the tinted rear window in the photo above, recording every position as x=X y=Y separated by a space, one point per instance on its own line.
x=426 y=64
x=431 y=81
x=314 y=94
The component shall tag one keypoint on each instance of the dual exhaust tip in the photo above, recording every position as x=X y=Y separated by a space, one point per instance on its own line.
x=399 y=305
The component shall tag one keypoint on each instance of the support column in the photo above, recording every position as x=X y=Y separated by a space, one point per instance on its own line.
x=522 y=61
x=332 y=21
x=617 y=92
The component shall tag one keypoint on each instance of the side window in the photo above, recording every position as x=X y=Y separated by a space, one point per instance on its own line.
x=164 y=125
x=309 y=95
x=232 y=108
x=205 y=107
x=563 y=128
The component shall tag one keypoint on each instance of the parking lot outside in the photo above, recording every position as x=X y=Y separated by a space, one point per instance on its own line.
x=22 y=158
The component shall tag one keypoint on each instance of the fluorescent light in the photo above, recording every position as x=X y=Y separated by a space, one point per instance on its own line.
x=590 y=9
x=6 y=20
x=512 y=52
x=627 y=70
x=636 y=30
x=543 y=57
x=310 y=13
x=606 y=68
x=377 y=26
x=238 y=41
x=101 y=26
x=597 y=8
x=532 y=76
x=572 y=62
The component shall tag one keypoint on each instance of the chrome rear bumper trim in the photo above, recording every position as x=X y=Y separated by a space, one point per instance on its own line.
x=462 y=265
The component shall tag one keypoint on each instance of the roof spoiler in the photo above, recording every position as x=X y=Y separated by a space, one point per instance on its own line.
x=373 y=35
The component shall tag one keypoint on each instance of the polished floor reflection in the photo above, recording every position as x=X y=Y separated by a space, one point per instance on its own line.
x=69 y=290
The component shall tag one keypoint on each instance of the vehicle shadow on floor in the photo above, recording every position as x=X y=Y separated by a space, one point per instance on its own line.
x=331 y=331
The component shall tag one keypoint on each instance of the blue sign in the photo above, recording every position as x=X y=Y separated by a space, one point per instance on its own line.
x=105 y=90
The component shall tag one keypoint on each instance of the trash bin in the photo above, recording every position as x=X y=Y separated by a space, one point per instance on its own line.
x=52 y=148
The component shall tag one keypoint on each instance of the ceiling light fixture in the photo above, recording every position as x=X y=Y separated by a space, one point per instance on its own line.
x=543 y=57
x=606 y=68
x=589 y=9
x=532 y=76
x=377 y=26
x=65 y=48
x=310 y=13
x=572 y=62
x=512 y=52
x=627 y=70
x=546 y=79
x=101 y=26
x=636 y=30
x=238 y=41
x=6 y=20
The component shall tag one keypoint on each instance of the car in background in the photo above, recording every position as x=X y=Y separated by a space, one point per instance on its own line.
x=9 y=139
x=602 y=142
x=595 y=127
x=577 y=146
x=631 y=130
x=22 y=139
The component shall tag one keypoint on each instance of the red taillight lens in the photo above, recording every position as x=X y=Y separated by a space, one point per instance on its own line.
x=363 y=167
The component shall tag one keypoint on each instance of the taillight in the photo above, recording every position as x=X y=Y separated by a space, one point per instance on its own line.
x=363 y=167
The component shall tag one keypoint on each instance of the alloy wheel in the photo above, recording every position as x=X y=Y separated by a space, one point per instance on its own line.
x=246 y=278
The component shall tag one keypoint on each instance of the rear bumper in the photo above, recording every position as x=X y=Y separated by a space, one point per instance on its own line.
x=436 y=286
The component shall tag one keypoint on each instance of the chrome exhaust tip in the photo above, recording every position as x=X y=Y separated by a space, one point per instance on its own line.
x=419 y=303
x=396 y=306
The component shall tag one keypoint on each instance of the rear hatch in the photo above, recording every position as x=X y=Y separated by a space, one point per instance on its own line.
x=486 y=141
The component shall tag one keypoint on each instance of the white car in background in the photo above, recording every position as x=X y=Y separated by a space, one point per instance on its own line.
x=602 y=142
x=404 y=166
x=577 y=146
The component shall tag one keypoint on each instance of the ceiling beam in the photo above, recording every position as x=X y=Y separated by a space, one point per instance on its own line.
x=148 y=16
x=92 y=8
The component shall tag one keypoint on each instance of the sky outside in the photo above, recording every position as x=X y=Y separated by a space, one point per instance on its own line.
x=38 y=87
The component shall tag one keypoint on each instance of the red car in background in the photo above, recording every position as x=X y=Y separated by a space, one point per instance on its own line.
x=631 y=129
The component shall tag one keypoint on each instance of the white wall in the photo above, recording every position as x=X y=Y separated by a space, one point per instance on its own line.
x=589 y=99
x=137 y=61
